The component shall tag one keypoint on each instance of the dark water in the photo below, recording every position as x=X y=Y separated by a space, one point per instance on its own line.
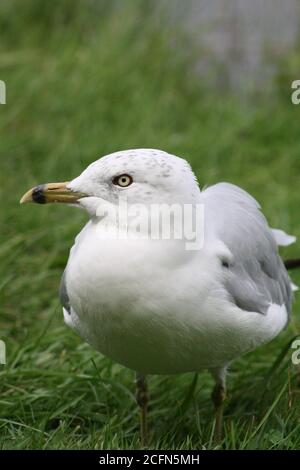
x=244 y=37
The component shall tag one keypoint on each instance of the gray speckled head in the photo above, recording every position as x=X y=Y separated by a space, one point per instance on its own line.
x=157 y=177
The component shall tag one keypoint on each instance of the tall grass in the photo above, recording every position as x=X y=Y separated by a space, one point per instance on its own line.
x=84 y=79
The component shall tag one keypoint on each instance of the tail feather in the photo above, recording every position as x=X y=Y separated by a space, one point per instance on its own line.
x=292 y=263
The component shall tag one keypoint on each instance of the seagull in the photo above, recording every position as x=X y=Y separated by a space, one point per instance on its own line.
x=159 y=305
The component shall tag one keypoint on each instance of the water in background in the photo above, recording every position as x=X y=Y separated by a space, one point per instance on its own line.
x=244 y=39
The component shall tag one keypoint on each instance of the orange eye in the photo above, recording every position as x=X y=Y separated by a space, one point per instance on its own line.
x=123 y=180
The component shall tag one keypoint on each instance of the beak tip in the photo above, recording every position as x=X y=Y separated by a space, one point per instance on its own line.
x=24 y=199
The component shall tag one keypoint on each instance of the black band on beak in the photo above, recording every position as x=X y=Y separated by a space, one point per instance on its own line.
x=38 y=194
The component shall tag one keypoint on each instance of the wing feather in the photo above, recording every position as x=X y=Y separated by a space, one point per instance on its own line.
x=255 y=276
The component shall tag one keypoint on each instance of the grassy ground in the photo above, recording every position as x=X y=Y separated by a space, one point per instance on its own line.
x=82 y=83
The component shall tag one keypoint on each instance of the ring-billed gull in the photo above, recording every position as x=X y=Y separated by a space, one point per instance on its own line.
x=150 y=303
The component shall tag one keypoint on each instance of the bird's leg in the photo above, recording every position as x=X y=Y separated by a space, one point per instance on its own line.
x=142 y=401
x=218 y=397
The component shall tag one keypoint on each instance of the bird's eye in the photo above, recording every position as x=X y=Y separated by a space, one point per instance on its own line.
x=123 y=180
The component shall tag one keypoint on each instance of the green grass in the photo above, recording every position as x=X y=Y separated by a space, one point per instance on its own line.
x=82 y=82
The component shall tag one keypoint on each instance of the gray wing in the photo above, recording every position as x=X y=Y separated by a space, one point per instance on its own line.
x=254 y=274
x=63 y=294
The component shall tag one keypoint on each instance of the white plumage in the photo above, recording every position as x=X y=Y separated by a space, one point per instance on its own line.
x=157 y=308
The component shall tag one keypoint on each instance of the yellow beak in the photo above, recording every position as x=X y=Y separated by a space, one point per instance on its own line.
x=51 y=192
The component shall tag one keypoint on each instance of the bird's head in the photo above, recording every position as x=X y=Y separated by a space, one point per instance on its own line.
x=143 y=176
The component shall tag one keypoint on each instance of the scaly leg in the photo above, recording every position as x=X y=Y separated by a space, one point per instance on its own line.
x=218 y=397
x=142 y=401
